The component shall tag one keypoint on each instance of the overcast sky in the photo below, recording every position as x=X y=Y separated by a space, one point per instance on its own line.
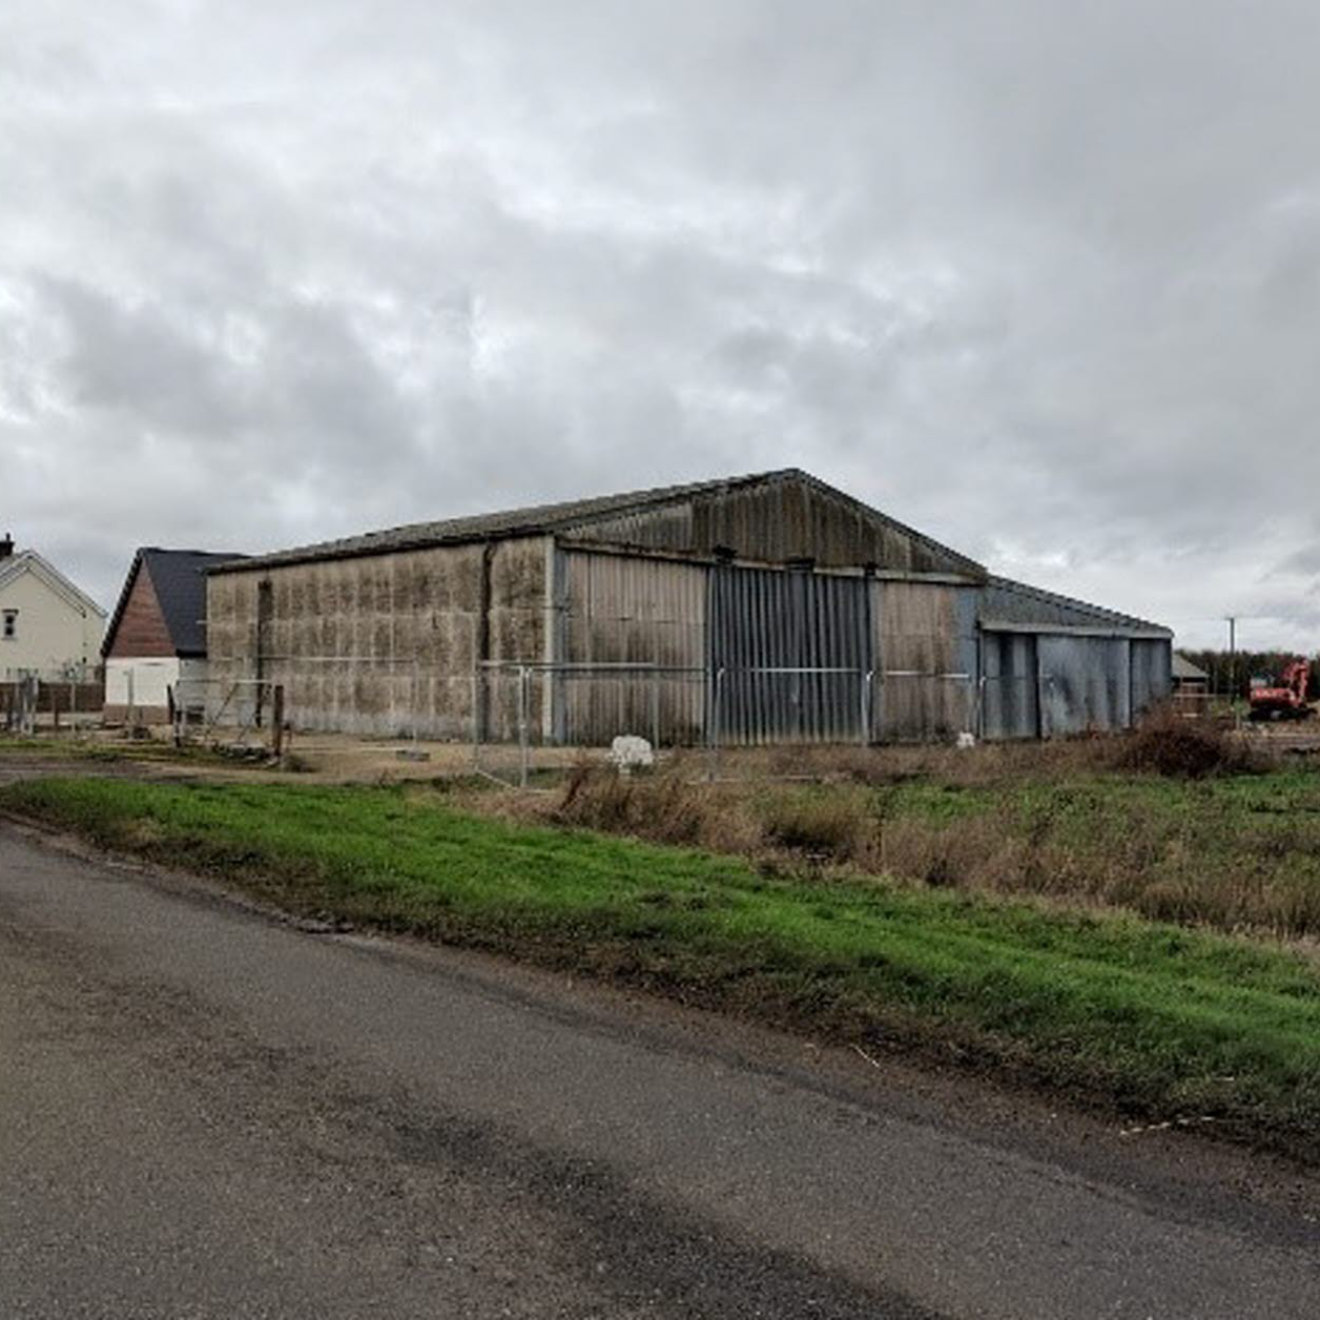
x=1040 y=278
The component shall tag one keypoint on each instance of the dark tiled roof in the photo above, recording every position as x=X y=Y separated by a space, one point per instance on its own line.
x=179 y=580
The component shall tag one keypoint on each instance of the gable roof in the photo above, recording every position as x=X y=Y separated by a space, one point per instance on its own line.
x=29 y=561
x=179 y=580
x=578 y=516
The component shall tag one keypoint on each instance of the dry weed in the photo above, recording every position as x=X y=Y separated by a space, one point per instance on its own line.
x=1022 y=832
x=1169 y=744
x=836 y=826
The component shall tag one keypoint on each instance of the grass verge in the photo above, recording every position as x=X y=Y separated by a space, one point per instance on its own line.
x=1152 y=1019
x=1239 y=852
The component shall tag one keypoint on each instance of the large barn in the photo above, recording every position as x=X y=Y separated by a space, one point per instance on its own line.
x=755 y=609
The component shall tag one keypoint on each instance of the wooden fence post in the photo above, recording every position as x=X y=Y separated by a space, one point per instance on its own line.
x=277 y=721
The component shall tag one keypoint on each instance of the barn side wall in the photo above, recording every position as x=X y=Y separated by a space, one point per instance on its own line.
x=1054 y=666
x=1010 y=690
x=382 y=645
x=904 y=652
x=1151 y=668
x=1085 y=684
x=767 y=626
x=624 y=611
x=389 y=645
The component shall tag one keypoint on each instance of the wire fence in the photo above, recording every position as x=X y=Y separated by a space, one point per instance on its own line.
x=244 y=712
x=520 y=716
x=539 y=715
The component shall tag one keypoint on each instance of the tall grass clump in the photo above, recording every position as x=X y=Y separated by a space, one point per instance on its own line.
x=1176 y=822
x=1170 y=744
x=663 y=806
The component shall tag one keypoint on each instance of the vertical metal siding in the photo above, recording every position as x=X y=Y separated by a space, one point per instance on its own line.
x=764 y=619
x=621 y=610
x=1085 y=684
x=1055 y=684
x=1009 y=689
x=1152 y=674
x=925 y=635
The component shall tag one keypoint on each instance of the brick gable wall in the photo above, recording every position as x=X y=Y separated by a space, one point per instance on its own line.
x=142 y=630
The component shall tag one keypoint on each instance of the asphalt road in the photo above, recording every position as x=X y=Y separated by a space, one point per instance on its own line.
x=205 y=1112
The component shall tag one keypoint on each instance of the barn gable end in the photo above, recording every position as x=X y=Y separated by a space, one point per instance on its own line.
x=777 y=518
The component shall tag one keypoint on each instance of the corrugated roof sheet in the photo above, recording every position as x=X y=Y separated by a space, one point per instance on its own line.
x=1012 y=603
x=572 y=514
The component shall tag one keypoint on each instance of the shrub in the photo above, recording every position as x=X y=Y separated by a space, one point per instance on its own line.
x=1169 y=744
x=827 y=827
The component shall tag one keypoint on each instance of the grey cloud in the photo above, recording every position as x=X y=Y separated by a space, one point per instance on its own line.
x=1042 y=279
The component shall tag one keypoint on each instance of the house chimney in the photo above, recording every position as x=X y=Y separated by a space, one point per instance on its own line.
x=6 y=546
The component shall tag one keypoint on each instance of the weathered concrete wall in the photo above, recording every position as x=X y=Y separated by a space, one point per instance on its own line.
x=383 y=645
x=519 y=577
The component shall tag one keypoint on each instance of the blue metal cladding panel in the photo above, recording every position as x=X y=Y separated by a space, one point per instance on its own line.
x=765 y=619
x=1085 y=684
x=1059 y=684
x=1010 y=694
x=1152 y=674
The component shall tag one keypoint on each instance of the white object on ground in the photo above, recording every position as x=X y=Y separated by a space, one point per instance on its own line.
x=629 y=753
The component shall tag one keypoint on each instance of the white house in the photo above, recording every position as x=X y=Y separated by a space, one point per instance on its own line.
x=47 y=625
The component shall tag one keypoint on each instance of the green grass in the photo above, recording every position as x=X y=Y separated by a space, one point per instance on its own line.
x=1238 y=852
x=1154 y=1019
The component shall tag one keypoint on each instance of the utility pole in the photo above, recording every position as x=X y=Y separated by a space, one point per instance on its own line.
x=1232 y=661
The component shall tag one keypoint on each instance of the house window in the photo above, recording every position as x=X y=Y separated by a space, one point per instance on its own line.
x=9 y=626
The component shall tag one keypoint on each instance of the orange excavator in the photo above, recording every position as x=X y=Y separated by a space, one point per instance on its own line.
x=1287 y=700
